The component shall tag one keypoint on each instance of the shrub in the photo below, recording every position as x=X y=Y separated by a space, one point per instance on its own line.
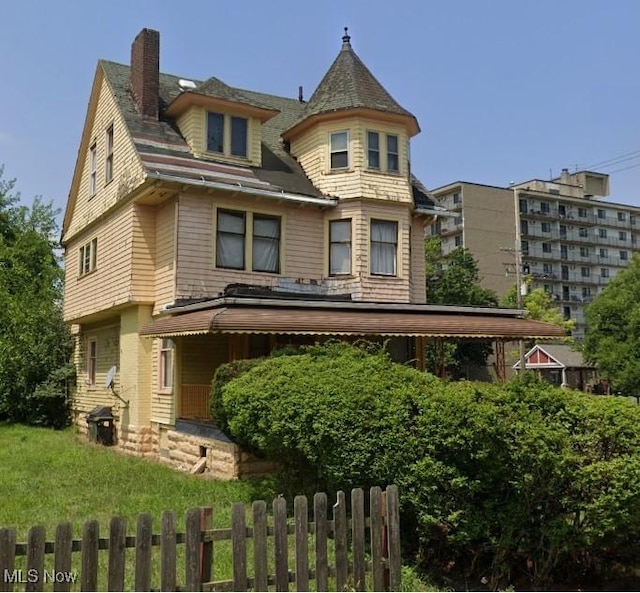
x=519 y=483
x=342 y=414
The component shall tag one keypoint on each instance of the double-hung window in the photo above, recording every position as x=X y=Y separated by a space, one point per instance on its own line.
x=339 y=247
x=92 y=360
x=93 y=169
x=87 y=257
x=108 y=161
x=165 y=372
x=239 y=136
x=339 y=150
x=215 y=132
x=236 y=231
x=393 y=160
x=230 y=240
x=373 y=150
x=384 y=247
x=379 y=158
x=266 y=243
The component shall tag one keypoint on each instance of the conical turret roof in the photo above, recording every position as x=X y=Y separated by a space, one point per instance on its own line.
x=349 y=84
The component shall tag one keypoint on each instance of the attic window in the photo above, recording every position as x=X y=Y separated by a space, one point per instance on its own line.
x=339 y=150
x=108 y=164
x=93 y=169
x=227 y=134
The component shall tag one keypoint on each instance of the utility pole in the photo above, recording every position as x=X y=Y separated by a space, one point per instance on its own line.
x=520 y=287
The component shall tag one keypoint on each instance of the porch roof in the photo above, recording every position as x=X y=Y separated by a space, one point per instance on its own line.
x=349 y=322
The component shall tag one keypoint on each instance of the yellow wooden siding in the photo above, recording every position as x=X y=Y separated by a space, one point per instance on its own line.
x=143 y=253
x=193 y=126
x=418 y=292
x=301 y=242
x=162 y=401
x=127 y=168
x=165 y=254
x=135 y=368
x=312 y=151
x=110 y=283
x=88 y=396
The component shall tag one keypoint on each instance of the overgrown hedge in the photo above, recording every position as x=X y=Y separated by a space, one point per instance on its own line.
x=522 y=483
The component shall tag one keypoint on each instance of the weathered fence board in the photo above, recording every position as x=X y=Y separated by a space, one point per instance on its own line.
x=168 y=569
x=277 y=543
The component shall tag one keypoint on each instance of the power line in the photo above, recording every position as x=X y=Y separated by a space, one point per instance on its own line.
x=614 y=160
x=624 y=169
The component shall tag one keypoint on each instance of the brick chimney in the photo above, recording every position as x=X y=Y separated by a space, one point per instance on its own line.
x=145 y=72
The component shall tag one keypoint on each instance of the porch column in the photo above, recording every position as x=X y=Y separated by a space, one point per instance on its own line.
x=501 y=367
x=420 y=361
x=238 y=347
x=440 y=363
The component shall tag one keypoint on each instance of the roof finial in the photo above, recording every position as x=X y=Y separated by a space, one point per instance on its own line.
x=346 y=38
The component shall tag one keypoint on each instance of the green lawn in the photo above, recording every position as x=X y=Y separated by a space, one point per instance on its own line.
x=49 y=477
x=52 y=476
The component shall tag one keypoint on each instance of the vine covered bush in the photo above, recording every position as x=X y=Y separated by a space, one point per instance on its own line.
x=523 y=484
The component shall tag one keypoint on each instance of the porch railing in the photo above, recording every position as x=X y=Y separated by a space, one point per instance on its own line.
x=195 y=402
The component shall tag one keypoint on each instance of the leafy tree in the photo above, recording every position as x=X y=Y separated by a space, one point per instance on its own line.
x=454 y=279
x=35 y=343
x=612 y=339
x=538 y=305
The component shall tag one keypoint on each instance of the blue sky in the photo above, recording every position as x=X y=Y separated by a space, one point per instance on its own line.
x=504 y=90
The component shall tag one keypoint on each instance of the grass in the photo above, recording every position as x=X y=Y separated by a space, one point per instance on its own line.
x=50 y=477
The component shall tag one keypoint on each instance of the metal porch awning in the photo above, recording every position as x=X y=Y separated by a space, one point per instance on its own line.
x=345 y=322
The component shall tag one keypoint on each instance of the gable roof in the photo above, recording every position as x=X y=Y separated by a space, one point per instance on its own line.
x=164 y=153
x=163 y=149
x=555 y=356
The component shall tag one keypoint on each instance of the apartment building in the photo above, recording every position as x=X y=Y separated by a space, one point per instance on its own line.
x=572 y=239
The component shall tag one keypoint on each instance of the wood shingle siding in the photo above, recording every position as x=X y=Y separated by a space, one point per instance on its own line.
x=165 y=259
x=302 y=242
x=110 y=284
x=127 y=168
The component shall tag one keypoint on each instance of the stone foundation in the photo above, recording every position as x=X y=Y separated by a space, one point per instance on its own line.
x=225 y=460
x=137 y=440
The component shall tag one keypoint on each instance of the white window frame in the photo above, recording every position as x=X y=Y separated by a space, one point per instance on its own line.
x=93 y=169
x=349 y=243
x=166 y=364
x=92 y=360
x=332 y=151
x=88 y=257
x=108 y=158
x=372 y=222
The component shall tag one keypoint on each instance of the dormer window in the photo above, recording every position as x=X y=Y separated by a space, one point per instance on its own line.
x=339 y=150
x=227 y=134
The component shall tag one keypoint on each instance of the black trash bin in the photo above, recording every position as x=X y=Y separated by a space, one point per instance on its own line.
x=100 y=424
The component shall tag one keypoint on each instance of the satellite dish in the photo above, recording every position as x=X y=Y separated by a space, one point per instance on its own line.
x=111 y=375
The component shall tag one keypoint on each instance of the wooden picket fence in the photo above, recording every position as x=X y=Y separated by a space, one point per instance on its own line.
x=359 y=562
